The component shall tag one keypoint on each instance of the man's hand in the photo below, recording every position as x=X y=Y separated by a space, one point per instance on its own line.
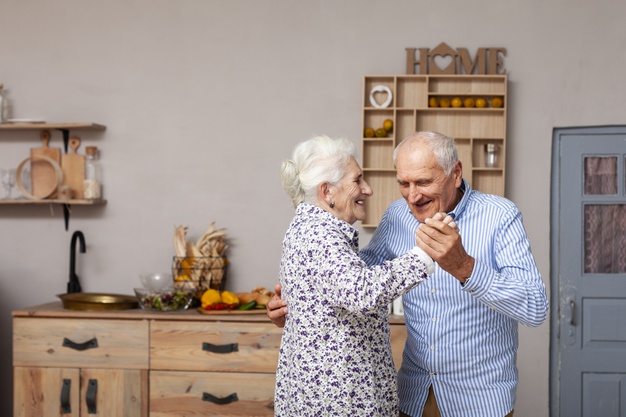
x=439 y=237
x=277 y=308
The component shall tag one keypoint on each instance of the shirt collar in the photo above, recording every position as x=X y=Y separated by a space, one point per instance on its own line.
x=306 y=209
x=460 y=207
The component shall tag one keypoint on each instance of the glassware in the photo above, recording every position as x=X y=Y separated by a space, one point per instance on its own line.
x=491 y=155
x=25 y=181
x=92 y=185
x=8 y=181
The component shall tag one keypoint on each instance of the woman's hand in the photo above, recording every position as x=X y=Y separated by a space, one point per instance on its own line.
x=277 y=308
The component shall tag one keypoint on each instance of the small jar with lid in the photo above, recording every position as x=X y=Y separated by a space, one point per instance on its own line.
x=491 y=155
x=92 y=185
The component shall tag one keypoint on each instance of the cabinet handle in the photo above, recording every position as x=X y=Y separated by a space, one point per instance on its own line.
x=90 y=397
x=89 y=344
x=227 y=348
x=220 y=401
x=65 y=396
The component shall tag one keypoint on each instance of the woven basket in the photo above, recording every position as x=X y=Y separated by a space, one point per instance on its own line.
x=198 y=274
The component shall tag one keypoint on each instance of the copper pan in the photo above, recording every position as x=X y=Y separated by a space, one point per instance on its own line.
x=98 y=301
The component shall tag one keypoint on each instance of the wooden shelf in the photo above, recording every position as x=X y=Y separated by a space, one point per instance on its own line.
x=472 y=127
x=99 y=202
x=59 y=126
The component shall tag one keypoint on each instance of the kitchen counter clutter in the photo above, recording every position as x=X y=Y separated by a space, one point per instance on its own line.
x=144 y=363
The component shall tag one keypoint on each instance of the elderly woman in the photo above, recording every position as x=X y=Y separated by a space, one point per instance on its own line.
x=335 y=356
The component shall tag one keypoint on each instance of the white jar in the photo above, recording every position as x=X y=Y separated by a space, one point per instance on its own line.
x=2 y=105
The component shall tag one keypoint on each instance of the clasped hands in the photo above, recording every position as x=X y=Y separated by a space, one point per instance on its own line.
x=439 y=237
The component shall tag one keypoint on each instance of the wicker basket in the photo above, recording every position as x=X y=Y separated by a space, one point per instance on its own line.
x=198 y=274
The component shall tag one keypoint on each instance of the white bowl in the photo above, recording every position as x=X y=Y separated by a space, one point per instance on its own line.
x=156 y=281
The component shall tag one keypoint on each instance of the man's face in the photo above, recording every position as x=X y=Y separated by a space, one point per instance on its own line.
x=423 y=183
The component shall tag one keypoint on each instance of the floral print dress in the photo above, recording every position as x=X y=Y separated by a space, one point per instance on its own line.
x=335 y=355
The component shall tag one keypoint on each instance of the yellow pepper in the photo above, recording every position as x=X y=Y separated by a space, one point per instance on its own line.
x=210 y=297
x=230 y=298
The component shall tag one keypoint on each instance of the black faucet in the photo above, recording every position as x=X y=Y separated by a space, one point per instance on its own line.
x=73 y=285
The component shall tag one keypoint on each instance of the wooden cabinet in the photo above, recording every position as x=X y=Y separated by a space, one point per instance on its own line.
x=80 y=366
x=411 y=109
x=138 y=363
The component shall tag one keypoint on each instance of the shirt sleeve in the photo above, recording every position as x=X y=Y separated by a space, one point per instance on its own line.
x=346 y=281
x=512 y=284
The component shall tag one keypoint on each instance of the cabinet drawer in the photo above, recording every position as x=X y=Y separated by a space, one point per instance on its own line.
x=80 y=343
x=199 y=394
x=214 y=346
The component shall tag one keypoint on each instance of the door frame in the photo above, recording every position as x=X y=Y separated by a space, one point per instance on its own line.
x=558 y=135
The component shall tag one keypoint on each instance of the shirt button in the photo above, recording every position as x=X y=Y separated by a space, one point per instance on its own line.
x=432 y=374
x=432 y=290
x=434 y=318
x=432 y=347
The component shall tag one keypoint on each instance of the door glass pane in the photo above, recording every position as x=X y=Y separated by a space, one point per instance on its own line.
x=600 y=175
x=605 y=239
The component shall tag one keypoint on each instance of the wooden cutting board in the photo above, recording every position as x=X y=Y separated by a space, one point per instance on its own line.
x=233 y=312
x=42 y=174
x=73 y=166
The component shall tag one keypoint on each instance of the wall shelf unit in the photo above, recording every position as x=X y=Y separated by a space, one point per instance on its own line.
x=416 y=105
x=65 y=129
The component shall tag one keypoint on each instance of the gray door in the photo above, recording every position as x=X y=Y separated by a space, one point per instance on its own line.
x=588 y=273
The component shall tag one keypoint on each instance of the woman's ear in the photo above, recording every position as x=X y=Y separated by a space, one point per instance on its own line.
x=324 y=192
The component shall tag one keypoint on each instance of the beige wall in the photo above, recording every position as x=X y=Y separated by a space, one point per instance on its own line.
x=202 y=99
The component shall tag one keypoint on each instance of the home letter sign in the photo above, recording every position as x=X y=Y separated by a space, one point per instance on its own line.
x=445 y=60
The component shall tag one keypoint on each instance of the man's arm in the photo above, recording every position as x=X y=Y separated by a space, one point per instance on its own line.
x=277 y=308
x=515 y=288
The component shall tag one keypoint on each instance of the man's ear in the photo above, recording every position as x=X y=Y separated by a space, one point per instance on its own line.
x=457 y=171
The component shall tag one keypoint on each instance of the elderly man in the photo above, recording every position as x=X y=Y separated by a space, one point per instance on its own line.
x=460 y=355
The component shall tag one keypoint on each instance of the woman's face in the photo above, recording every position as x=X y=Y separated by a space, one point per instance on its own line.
x=350 y=194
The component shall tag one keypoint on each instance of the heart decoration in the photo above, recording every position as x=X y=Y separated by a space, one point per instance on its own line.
x=381 y=89
x=442 y=64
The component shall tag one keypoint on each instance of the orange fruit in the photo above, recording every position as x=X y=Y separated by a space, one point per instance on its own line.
x=457 y=102
x=433 y=102
x=388 y=125
x=444 y=102
x=187 y=264
x=369 y=132
x=481 y=102
x=469 y=102
x=381 y=133
x=497 y=102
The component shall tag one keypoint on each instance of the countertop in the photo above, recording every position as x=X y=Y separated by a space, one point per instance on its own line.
x=55 y=309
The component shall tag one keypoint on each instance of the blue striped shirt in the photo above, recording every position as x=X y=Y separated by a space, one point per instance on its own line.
x=463 y=339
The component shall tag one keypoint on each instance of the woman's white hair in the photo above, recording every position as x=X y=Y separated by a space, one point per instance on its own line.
x=315 y=161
